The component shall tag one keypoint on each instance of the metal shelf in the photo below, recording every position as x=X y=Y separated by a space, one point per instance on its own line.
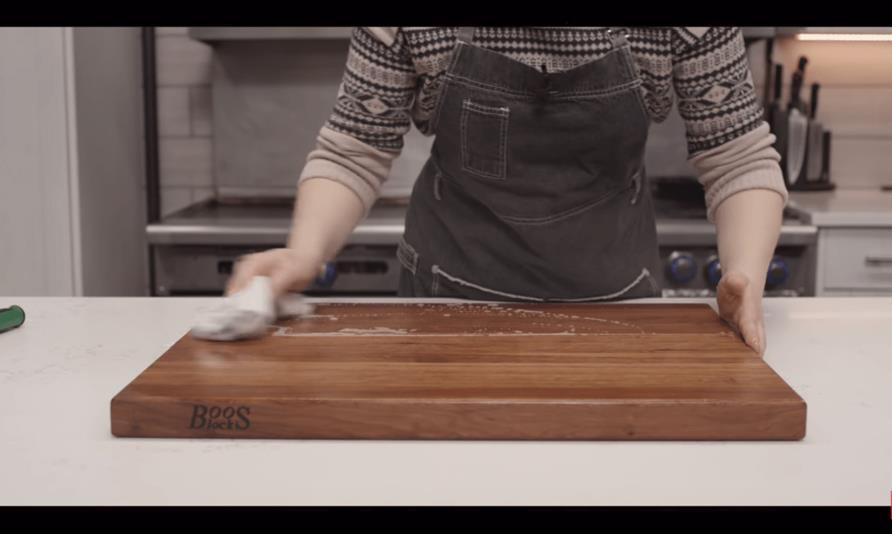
x=241 y=33
x=759 y=32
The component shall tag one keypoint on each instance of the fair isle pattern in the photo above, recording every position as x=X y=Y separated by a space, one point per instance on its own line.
x=391 y=83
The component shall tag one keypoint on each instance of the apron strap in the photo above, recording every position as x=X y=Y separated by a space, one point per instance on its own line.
x=619 y=36
x=466 y=34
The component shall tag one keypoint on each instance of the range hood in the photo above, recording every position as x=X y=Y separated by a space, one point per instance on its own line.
x=215 y=34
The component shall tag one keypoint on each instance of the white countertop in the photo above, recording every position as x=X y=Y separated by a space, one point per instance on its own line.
x=844 y=207
x=60 y=370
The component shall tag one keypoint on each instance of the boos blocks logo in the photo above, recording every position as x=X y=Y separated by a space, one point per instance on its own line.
x=219 y=417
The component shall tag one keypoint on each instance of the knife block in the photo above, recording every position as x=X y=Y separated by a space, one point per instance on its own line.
x=820 y=181
x=778 y=121
x=802 y=181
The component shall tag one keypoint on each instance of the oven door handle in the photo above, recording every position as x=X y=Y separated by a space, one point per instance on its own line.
x=878 y=261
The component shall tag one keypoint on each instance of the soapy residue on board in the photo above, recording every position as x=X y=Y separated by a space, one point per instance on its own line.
x=486 y=308
x=318 y=316
x=284 y=331
x=376 y=331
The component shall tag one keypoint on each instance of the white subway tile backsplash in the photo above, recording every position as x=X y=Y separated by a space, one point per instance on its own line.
x=248 y=190
x=856 y=111
x=173 y=111
x=855 y=103
x=186 y=161
x=861 y=162
x=202 y=112
x=838 y=63
x=174 y=199
x=200 y=194
x=171 y=30
x=183 y=61
x=186 y=151
x=270 y=99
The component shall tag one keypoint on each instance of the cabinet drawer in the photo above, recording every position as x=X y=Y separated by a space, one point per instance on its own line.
x=857 y=258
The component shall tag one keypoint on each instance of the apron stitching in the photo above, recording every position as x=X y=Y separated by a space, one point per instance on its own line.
x=465 y=34
x=437 y=272
x=627 y=63
x=404 y=249
x=451 y=74
x=618 y=39
x=503 y=146
x=500 y=111
x=437 y=186
x=636 y=179
x=608 y=91
x=632 y=70
x=435 y=281
x=584 y=96
x=653 y=285
x=441 y=97
x=644 y=273
x=467 y=109
x=563 y=215
x=455 y=56
x=463 y=128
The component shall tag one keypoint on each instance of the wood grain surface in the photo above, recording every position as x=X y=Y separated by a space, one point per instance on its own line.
x=469 y=371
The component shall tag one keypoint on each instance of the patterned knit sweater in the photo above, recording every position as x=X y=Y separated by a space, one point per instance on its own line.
x=393 y=78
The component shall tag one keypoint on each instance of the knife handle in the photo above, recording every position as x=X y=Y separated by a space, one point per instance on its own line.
x=815 y=87
x=795 y=87
x=778 y=81
x=798 y=76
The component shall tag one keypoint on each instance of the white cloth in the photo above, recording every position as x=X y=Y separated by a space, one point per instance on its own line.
x=247 y=313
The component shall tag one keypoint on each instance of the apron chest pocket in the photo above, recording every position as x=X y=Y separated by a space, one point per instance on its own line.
x=484 y=139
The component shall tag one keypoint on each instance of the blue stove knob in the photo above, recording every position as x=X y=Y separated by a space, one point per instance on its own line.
x=327 y=274
x=713 y=272
x=778 y=272
x=681 y=267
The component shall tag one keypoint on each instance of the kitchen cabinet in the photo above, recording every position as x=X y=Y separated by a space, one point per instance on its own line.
x=854 y=240
x=855 y=261
x=72 y=204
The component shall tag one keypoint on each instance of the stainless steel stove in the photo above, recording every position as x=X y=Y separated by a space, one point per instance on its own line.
x=194 y=249
x=689 y=250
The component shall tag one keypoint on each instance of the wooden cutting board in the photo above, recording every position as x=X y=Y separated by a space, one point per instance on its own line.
x=469 y=371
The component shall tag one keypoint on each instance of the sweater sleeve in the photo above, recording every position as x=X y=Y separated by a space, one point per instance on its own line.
x=364 y=133
x=729 y=143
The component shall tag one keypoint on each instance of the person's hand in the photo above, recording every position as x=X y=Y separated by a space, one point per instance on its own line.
x=287 y=268
x=740 y=305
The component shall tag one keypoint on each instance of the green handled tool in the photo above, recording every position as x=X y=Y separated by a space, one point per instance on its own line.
x=11 y=317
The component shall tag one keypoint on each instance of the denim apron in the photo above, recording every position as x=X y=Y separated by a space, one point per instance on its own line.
x=535 y=187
